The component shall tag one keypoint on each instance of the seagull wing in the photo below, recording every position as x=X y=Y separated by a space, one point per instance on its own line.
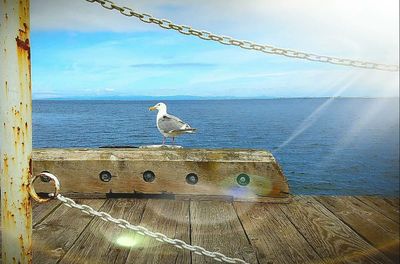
x=169 y=123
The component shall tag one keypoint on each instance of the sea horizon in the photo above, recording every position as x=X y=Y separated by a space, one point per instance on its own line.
x=340 y=146
x=195 y=98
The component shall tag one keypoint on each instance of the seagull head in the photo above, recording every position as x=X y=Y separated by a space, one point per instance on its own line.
x=159 y=107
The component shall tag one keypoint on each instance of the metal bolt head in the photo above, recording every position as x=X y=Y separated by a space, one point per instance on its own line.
x=243 y=179
x=149 y=176
x=192 y=178
x=105 y=176
x=44 y=178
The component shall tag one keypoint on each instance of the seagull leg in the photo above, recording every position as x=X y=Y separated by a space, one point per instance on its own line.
x=163 y=141
x=173 y=140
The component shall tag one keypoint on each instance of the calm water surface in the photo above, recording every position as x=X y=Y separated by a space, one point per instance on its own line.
x=325 y=146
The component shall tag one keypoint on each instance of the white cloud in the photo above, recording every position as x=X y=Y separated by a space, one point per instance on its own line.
x=362 y=29
x=366 y=29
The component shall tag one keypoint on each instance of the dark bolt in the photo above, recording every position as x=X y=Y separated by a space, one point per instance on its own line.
x=149 y=176
x=192 y=178
x=243 y=179
x=44 y=178
x=105 y=176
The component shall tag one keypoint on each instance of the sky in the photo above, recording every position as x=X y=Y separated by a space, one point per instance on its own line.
x=80 y=49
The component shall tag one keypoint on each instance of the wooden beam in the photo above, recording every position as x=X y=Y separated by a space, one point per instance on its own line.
x=218 y=172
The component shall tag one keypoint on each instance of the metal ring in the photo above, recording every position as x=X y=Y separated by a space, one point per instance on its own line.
x=53 y=179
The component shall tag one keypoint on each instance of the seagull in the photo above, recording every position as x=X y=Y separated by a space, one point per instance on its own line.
x=169 y=125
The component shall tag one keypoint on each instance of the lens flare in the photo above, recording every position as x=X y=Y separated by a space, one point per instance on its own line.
x=127 y=240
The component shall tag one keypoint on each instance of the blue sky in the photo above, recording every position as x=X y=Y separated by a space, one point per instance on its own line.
x=80 y=49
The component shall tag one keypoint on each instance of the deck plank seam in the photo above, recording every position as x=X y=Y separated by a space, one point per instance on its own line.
x=245 y=232
x=80 y=234
x=190 y=229
x=333 y=216
x=47 y=215
x=143 y=210
x=374 y=209
x=358 y=233
x=139 y=223
x=298 y=231
x=391 y=203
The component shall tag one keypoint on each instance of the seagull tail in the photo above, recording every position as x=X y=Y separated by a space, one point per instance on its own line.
x=185 y=130
x=190 y=130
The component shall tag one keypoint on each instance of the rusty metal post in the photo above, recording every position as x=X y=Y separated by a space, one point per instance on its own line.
x=15 y=131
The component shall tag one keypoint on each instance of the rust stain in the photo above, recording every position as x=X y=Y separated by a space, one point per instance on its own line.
x=19 y=204
x=5 y=161
x=30 y=167
x=21 y=240
x=23 y=44
x=5 y=199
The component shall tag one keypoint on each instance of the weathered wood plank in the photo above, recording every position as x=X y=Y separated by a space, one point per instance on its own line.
x=273 y=235
x=57 y=233
x=377 y=229
x=41 y=210
x=170 y=218
x=105 y=242
x=216 y=227
x=304 y=231
x=334 y=241
x=393 y=201
x=381 y=206
x=217 y=171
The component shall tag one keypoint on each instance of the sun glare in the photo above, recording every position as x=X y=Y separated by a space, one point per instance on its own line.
x=126 y=241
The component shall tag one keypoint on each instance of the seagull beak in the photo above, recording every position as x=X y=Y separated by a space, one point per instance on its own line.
x=152 y=108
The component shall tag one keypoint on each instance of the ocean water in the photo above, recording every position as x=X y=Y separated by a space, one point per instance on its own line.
x=330 y=146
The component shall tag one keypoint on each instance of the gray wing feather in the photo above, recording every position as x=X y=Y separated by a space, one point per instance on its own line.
x=169 y=123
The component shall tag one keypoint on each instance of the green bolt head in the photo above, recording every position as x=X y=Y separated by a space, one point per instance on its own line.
x=243 y=179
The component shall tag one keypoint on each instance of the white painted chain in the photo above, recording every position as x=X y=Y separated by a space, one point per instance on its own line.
x=145 y=232
x=187 y=30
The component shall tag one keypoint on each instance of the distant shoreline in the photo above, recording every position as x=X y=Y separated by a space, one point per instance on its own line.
x=194 y=98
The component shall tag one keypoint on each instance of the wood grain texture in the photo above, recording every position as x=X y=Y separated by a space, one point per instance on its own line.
x=41 y=211
x=273 y=236
x=216 y=227
x=105 y=242
x=58 y=232
x=381 y=206
x=217 y=171
x=377 y=229
x=308 y=230
x=394 y=201
x=170 y=218
x=334 y=241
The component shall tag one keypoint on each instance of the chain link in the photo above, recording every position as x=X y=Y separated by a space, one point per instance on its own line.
x=187 y=30
x=145 y=232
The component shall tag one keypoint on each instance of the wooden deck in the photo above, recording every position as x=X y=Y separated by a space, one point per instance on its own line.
x=308 y=230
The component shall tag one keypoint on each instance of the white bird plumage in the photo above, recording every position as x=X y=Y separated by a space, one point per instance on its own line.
x=169 y=125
